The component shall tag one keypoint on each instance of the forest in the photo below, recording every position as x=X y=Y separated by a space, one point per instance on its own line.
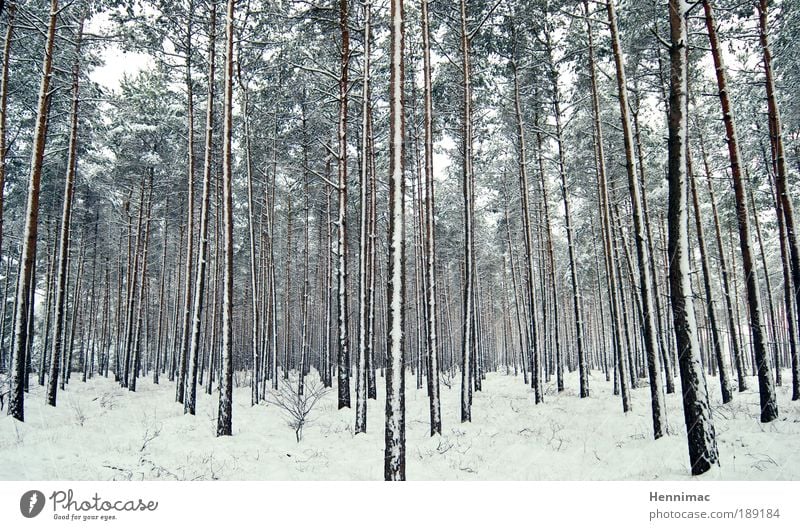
x=473 y=237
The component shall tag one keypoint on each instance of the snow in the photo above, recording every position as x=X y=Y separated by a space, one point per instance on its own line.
x=100 y=431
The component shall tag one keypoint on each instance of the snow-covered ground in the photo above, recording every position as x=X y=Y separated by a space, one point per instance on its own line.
x=100 y=431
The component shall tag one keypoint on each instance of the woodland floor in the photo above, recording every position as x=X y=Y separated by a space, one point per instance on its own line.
x=100 y=431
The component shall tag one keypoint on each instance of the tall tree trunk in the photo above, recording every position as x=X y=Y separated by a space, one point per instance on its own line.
x=696 y=409
x=430 y=231
x=162 y=309
x=577 y=304
x=662 y=344
x=605 y=215
x=551 y=267
x=304 y=294
x=254 y=344
x=766 y=384
x=189 y=403
x=773 y=326
x=224 y=427
x=361 y=365
x=343 y=352
x=140 y=311
x=63 y=240
x=640 y=238
x=12 y=9
x=724 y=375
x=469 y=266
x=781 y=185
x=395 y=450
x=533 y=346
x=726 y=281
x=183 y=349
x=28 y=252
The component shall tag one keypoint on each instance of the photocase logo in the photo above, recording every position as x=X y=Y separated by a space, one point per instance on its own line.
x=31 y=503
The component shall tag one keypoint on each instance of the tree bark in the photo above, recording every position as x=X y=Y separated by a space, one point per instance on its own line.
x=395 y=448
x=63 y=240
x=469 y=267
x=224 y=419
x=343 y=352
x=766 y=384
x=781 y=185
x=724 y=376
x=28 y=252
x=696 y=409
x=361 y=366
x=640 y=238
x=183 y=356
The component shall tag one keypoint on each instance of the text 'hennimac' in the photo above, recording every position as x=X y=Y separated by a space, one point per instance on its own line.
x=678 y=497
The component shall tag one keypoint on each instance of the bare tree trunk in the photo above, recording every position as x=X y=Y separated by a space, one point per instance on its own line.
x=183 y=350
x=137 y=341
x=766 y=385
x=304 y=295
x=395 y=450
x=343 y=353
x=63 y=241
x=726 y=282
x=640 y=238
x=577 y=305
x=254 y=383
x=551 y=268
x=361 y=366
x=776 y=137
x=660 y=331
x=130 y=300
x=372 y=269
x=697 y=411
x=48 y=308
x=189 y=404
x=469 y=266
x=76 y=307
x=161 y=303
x=773 y=327
x=224 y=420
x=12 y=9
x=724 y=376
x=605 y=215
x=533 y=343
x=28 y=252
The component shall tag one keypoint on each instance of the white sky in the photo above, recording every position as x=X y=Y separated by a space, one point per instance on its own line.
x=116 y=62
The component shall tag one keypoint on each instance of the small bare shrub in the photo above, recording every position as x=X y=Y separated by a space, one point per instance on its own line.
x=297 y=407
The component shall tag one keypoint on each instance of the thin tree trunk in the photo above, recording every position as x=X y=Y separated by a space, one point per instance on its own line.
x=640 y=238
x=224 y=420
x=343 y=353
x=469 y=266
x=724 y=376
x=361 y=365
x=12 y=9
x=28 y=252
x=729 y=305
x=766 y=385
x=577 y=305
x=254 y=383
x=183 y=350
x=533 y=346
x=395 y=449
x=63 y=240
x=189 y=404
x=773 y=319
x=781 y=185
